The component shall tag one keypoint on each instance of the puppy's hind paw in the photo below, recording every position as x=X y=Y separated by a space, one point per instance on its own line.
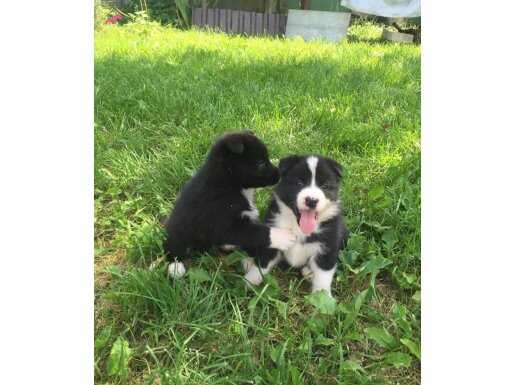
x=176 y=270
x=254 y=276
x=281 y=239
x=247 y=264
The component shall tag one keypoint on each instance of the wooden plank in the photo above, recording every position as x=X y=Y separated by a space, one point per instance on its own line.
x=254 y=30
x=228 y=20
x=240 y=22
x=223 y=20
x=194 y=14
x=259 y=24
x=270 y=24
x=210 y=18
x=282 y=29
x=216 y=22
x=235 y=21
x=204 y=16
x=275 y=24
x=248 y=23
x=241 y=26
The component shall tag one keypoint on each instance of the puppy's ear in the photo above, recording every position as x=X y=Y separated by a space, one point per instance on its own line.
x=335 y=166
x=286 y=163
x=235 y=145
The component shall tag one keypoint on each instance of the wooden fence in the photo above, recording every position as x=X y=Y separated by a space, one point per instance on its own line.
x=240 y=22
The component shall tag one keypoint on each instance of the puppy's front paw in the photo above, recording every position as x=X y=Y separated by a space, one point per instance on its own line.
x=281 y=239
x=254 y=276
x=247 y=264
x=176 y=270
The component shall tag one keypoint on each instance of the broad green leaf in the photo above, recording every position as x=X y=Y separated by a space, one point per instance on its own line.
x=321 y=340
x=416 y=296
x=307 y=343
x=374 y=265
x=316 y=323
x=324 y=303
x=413 y=347
x=400 y=314
x=389 y=239
x=382 y=337
x=350 y=366
x=372 y=268
x=296 y=377
x=198 y=275
x=405 y=280
x=113 y=270
x=358 y=302
x=398 y=359
x=376 y=225
x=282 y=308
x=376 y=192
x=350 y=256
x=356 y=242
x=353 y=336
x=360 y=299
x=277 y=353
x=118 y=360
x=103 y=337
x=410 y=278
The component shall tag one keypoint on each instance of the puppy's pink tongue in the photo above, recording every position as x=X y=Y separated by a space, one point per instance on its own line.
x=308 y=221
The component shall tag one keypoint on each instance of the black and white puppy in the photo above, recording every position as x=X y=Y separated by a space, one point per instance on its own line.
x=305 y=202
x=216 y=207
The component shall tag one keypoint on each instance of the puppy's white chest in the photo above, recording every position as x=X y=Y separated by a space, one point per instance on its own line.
x=301 y=253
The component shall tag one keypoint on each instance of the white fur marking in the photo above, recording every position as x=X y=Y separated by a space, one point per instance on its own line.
x=312 y=164
x=313 y=191
x=322 y=279
x=301 y=253
x=281 y=239
x=253 y=213
x=254 y=275
x=176 y=270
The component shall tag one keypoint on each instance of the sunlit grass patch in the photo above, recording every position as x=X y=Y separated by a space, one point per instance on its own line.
x=161 y=97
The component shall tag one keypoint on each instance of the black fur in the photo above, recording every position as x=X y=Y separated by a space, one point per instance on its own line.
x=209 y=209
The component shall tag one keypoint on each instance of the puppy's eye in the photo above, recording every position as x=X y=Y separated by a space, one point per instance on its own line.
x=299 y=182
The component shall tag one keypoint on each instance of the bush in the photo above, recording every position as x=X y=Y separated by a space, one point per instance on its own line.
x=176 y=12
x=102 y=13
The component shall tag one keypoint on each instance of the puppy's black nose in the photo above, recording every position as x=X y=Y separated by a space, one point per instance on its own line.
x=311 y=202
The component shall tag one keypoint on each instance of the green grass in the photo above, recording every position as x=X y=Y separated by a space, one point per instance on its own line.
x=161 y=98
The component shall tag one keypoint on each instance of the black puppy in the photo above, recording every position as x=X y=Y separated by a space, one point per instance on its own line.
x=305 y=202
x=216 y=207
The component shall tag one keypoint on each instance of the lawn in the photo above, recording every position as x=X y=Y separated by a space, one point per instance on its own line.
x=162 y=96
